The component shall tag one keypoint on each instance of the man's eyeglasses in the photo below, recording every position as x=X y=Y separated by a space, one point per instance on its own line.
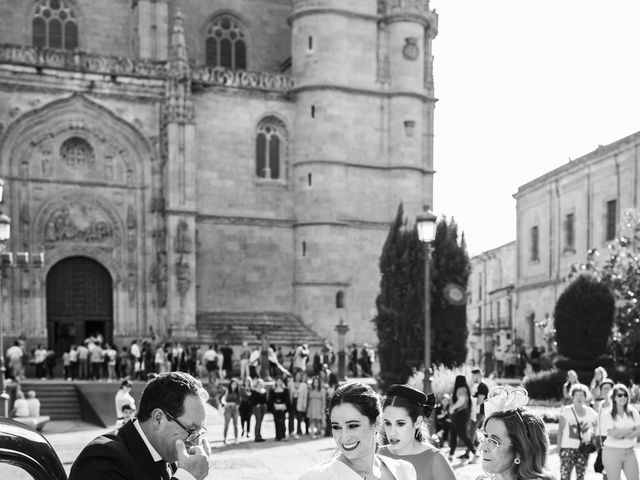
x=193 y=436
x=492 y=444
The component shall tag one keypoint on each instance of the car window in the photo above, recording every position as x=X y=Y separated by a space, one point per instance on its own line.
x=14 y=472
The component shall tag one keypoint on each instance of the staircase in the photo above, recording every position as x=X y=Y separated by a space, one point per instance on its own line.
x=284 y=329
x=58 y=399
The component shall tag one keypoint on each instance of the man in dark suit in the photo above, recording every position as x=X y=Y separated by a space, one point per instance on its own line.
x=166 y=441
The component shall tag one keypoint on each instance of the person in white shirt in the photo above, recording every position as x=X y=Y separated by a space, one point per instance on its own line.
x=20 y=406
x=576 y=424
x=33 y=404
x=123 y=397
x=39 y=357
x=621 y=425
x=15 y=354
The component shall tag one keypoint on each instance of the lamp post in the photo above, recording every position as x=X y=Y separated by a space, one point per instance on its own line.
x=5 y=233
x=342 y=328
x=426 y=223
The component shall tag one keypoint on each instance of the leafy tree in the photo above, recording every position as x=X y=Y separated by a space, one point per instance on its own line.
x=400 y=303
x=583 y=317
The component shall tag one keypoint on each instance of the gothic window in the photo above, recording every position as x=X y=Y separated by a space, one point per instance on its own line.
x=226 y=44
x=270 y=149
x=54 y=25
x=77 y=152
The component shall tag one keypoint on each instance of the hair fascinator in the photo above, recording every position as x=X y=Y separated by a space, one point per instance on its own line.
x=413 y=394
x=505 y=398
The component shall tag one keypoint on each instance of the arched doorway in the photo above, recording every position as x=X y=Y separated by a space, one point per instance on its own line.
x=79 y=302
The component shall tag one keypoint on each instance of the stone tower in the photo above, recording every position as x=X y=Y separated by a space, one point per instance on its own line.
x=363 y=144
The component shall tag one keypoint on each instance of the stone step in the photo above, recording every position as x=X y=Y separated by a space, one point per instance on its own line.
x=58 y=399
x=236 y=327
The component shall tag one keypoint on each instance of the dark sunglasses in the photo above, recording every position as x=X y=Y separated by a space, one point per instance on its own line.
x=620 y=395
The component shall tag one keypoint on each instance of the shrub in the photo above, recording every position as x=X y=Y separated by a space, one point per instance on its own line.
x=584 y=317
x=545 y=385
x=443 y=378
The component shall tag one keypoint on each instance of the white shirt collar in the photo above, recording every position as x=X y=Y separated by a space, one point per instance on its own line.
x=156 y=456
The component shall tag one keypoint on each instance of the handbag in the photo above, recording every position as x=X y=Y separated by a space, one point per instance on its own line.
x=598 y=466
x=585 y=448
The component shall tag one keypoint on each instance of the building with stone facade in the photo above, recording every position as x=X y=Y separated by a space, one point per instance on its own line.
x=582 y=205
x=194 y=168
x=490 y=305
x=562 y=214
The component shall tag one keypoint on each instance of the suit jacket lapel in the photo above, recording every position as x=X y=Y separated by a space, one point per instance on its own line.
x=139 y=451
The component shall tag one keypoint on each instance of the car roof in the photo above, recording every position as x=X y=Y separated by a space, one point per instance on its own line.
x=23 y=446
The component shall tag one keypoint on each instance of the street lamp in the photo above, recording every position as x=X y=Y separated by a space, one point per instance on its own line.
x=426 y=223
x=5 y=233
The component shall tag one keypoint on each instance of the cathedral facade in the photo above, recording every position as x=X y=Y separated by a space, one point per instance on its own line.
x=187 y=162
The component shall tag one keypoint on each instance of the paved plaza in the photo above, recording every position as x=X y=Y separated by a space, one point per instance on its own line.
x=249 y=460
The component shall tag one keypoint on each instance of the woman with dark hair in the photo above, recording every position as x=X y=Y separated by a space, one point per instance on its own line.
x=278 y=405
x=231 y=401
x=514 y=442
x=259 y=405
x=460 y=410
x=404 y=413
x=621 y=425
x=354 y=410
x=244 y=408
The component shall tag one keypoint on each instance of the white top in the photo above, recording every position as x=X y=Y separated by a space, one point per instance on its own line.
x=123 y=398
x=21 y=407
x=14 y=352
x=334 y=469
x=621 y=421
x=34 y=407
x=588 y=422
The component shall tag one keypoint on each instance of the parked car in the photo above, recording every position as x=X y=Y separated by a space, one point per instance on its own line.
x=26 y=455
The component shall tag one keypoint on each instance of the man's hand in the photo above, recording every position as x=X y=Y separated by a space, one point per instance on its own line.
x=195 y=460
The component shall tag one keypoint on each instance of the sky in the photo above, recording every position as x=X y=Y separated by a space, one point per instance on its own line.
x=523 y=86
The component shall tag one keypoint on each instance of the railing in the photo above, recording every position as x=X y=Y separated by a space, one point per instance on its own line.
x=273 y=82
x=76 y=60
x=80 y=61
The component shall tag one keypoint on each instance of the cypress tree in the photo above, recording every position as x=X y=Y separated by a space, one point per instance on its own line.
x=400 y=303
x=450 y=264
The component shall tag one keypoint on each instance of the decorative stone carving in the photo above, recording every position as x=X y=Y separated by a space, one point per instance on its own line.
x=178 y=106
x=77 y=153
x=159 y=277
x=392 y=6
x=79 y=223
x=13 y=112
x=131 y=241
x=131 y=217
x=183 y=277
x=410 y=51
x=183 y=243
x=80 y=61
x=270 y=82
x=132 y=288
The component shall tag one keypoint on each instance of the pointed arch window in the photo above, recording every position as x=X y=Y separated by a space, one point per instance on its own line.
x=226 y=44
x=270 y=149
x=54 y=25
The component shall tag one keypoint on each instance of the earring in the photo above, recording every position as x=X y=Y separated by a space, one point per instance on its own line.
x=516 y=461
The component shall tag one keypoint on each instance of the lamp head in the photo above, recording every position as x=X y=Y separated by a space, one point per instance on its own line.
x=426 y=223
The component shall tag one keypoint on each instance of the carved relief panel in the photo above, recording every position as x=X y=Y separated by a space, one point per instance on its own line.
x=80 y=219
x=77 y=151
